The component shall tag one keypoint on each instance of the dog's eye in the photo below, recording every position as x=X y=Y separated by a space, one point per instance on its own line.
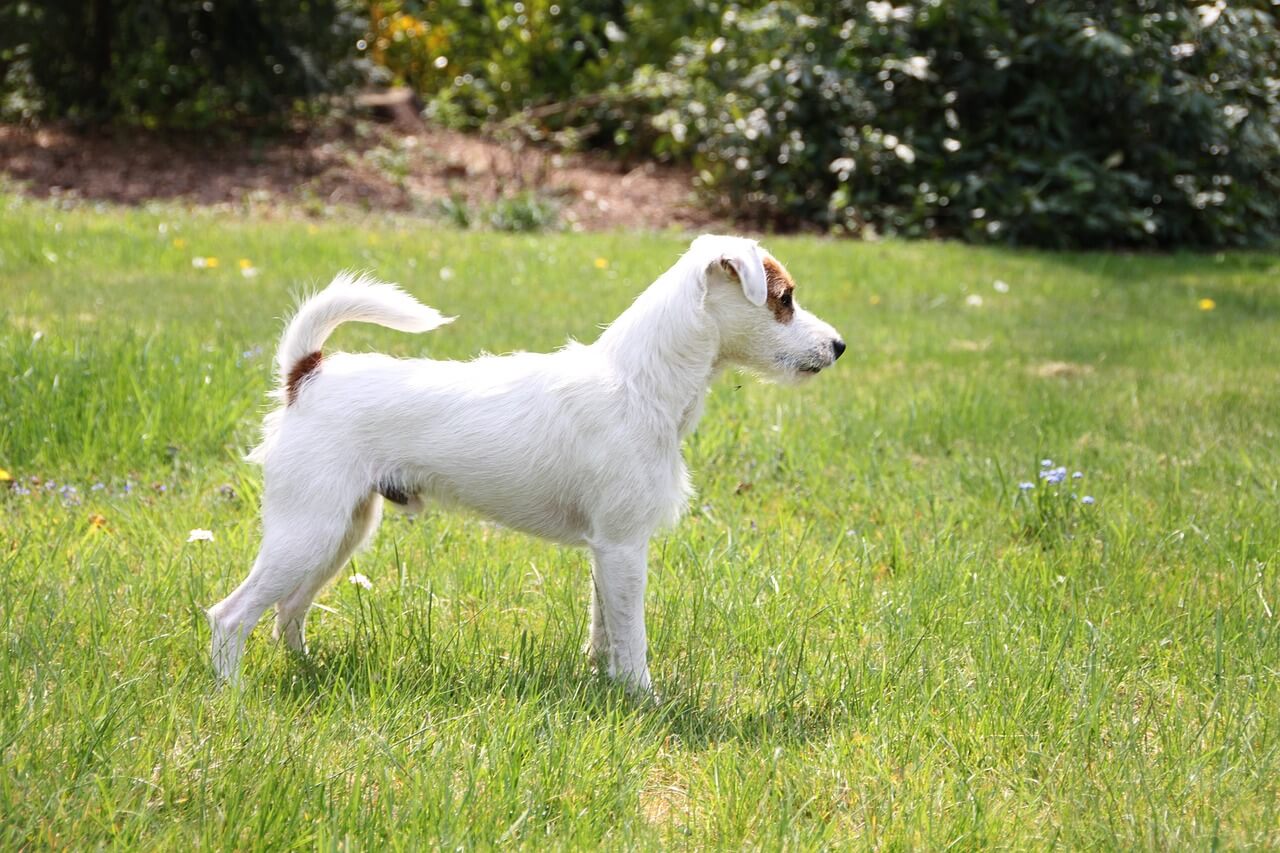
x=786 y=300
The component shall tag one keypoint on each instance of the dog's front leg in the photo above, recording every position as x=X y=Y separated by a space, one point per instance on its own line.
x=618 y=638
x=597 y=648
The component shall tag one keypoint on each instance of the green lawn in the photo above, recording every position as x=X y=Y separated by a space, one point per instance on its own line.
x=864 y=632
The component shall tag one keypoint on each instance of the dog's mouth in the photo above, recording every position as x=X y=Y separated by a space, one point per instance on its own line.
x=796 y=370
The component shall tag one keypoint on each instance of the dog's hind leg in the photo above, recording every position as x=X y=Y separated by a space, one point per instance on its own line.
x=291 y=611
x=301 y=540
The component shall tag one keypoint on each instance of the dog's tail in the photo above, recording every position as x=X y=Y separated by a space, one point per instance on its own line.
x=349 y=298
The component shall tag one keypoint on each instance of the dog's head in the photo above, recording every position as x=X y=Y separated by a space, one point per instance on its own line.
x=751 y=299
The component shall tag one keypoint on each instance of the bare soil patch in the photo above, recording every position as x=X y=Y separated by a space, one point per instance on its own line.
x=365 y=166
x=1061 y=370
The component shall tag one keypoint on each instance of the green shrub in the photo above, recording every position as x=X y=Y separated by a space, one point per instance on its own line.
x=476 y=61
x=1050 y=123
x=176 y=63
x=525 y=211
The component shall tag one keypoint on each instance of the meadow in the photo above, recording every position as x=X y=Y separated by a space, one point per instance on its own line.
x=890 y=619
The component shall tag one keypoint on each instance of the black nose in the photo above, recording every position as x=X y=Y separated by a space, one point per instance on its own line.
x=838 y=346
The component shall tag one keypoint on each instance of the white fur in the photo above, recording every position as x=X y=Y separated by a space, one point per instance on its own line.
x=581 y=446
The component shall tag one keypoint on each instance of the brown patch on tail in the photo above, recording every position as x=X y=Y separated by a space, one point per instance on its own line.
x=780 y=287
x=306 y=366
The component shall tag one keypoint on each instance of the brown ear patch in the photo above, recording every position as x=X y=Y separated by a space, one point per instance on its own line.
x=306 y=366
x=780 y=287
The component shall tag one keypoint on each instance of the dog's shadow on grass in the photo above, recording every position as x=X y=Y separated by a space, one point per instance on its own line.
x=561 y=681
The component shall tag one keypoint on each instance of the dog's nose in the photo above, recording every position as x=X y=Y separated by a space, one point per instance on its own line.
x=838 y=346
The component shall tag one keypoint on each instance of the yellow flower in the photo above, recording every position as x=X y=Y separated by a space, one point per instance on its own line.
x=874 y=300
x=211 y=263
x=1207 y=304
x=179 y=243
x=246 y=264
x=96 y=521
x=5 y=476
x=602 y=263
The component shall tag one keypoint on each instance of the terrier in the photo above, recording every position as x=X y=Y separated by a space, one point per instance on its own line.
x=580 y=446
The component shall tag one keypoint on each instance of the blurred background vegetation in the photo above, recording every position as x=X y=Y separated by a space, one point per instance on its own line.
x=1064 y=123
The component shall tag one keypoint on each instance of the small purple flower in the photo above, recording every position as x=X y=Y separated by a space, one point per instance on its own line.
x=21 y=490
x=1077 y=475
x=1046 y=463
x=1053 y=476
x=1087 y=500
x=97 y=487
x=1026 y=487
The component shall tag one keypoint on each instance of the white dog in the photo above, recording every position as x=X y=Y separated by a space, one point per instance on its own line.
x=581 y=446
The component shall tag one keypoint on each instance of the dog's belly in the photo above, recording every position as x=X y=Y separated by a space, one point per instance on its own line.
x=552 y=517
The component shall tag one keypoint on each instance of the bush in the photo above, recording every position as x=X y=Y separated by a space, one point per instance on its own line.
x=479 y=61
x=184 y=63
x=1053 y=123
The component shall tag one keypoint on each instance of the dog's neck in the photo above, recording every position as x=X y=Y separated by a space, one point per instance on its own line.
x=667 y=346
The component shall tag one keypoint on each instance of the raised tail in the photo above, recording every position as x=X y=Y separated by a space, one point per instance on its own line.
x=349 y=298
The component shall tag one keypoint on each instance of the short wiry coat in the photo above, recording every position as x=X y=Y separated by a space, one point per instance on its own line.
x=580 y=446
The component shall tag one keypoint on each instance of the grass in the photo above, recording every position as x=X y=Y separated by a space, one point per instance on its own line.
x=864 y=632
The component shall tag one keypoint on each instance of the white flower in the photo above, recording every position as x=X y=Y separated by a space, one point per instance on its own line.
x=200 y=535
x=843 y=167
x=882 y=12
x=360 y=581
x=613 y=32
x=1209 y=14
x=1000 y=286
x=973 y=300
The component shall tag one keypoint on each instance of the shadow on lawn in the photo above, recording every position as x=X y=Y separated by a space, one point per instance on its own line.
x=556 y=681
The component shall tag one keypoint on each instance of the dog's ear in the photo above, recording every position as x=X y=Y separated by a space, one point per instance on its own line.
x=741 y=261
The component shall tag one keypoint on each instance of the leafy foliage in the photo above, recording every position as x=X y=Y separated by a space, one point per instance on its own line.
x=1051 y=123
x=1054 y=123
x=478 y=61
x=183 y=64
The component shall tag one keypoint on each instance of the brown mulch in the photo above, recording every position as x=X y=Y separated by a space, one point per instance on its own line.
x=365 y=166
